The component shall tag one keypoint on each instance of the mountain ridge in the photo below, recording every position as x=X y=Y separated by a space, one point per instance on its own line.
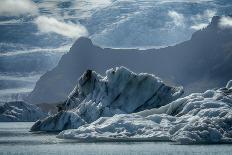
x=196 y=64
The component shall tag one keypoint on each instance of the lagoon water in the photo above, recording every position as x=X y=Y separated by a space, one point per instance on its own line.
x=15 y=139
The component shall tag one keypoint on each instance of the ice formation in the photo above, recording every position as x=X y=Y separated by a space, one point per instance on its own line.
x=197 y=118
x=19 y=111
x=119 y=92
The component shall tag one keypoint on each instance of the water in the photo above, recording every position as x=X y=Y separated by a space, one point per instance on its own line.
x=15 y=139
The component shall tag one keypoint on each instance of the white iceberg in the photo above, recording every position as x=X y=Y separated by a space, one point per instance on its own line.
x=197 y=118
x=19 y=111
x=119 y=92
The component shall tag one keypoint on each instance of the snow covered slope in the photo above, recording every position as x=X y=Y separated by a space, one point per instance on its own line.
x=19 y=111
x=119 y=92
x=197 y=118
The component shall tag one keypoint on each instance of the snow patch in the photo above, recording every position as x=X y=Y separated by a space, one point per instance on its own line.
x=52 y=25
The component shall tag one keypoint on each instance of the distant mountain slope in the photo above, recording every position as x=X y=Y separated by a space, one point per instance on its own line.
x=200 y=63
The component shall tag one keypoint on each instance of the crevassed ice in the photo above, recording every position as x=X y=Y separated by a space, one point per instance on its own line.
x=197 y=118
x=120 y=92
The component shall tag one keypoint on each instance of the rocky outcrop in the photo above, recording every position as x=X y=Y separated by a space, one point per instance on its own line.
x=119 y=92
x=19 y=111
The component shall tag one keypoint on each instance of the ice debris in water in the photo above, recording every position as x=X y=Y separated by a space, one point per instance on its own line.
x=19 y=111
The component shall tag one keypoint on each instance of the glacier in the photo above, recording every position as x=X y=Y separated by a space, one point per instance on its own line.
x=120 y=91
x=200 y=118
x=19 y=111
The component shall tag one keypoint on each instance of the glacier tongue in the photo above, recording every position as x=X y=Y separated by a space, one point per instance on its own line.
x=119 y=92
x=197 y=118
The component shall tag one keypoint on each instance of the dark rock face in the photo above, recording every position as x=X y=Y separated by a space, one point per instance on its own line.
x=204 y=62
x=19 y=111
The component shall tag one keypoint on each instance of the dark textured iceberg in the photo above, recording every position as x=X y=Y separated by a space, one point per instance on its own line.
x=119 y=92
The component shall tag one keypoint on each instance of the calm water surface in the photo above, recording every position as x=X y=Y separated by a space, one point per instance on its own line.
x=15 y=139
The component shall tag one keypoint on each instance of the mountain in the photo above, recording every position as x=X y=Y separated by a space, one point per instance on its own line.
x=201 y=63
x=200 y=118
x=19 y=111
x=30 y=44
x=119 y=92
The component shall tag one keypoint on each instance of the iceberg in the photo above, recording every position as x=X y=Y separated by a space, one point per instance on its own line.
x=200 y=118
x=19 y=111
x=120 y=91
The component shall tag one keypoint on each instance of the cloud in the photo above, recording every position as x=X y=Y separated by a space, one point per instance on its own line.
x=225 y=22
x=52 y=25
x=207 y=15
x=17 y=7
x=177 y=18
x=202 y=20
x=199 y=26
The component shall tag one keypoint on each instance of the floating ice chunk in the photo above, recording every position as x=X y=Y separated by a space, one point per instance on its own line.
x=61 y=121
x=120 y=127
x=120 y=92
x=19 y=111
